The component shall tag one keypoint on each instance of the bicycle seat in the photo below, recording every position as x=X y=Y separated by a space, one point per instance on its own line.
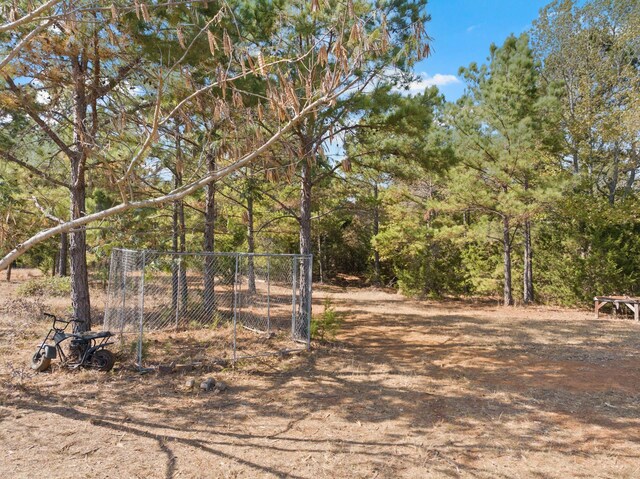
x=94 y=334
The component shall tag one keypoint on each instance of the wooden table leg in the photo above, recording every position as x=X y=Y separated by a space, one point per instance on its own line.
x=599 y=305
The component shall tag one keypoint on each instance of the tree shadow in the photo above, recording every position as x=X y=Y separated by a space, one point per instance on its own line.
x=456 y=382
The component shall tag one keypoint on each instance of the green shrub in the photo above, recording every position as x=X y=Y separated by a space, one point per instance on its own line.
x=55 y=286
x=327 y=324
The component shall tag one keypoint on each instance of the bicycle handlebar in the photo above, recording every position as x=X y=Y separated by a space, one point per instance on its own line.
x=56 y=320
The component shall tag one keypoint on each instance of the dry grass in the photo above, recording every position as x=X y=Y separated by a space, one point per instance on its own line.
x=409 y=389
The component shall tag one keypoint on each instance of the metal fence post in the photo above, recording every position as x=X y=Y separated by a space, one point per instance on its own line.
x=141 y=312
x=309 y=264
x=294 y=289
x=110 y=293
x=268 y=294
x=235 y=309
x=178 y=292
x=123 y=316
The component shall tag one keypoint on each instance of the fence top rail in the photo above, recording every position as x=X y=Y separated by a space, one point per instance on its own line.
x=213 y=253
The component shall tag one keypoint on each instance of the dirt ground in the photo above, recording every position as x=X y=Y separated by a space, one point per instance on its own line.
x=411 y=389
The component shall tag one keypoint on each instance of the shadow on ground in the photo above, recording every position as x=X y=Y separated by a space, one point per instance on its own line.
x=408 y=389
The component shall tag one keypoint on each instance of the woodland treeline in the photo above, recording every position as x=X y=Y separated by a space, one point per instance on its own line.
x=286 y=126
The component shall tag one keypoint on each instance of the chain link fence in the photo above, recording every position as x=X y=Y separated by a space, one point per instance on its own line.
x=243 y=304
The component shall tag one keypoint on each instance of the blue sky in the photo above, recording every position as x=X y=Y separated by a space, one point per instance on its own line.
x=462 y=31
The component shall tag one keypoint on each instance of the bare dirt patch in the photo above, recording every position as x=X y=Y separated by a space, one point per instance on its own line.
x=409 y=389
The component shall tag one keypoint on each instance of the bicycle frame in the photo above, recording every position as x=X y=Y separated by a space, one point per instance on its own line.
x=58 y=335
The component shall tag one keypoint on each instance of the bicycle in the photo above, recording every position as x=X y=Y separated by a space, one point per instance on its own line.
x=85 y=349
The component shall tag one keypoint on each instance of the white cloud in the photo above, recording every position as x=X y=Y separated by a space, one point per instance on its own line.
x=128 y=87
x=55 y=29
x=427 y=81
x=472 y=28
x=440 y=80
x=43 y=97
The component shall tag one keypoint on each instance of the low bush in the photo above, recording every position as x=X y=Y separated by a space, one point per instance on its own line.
x=326 y=324
x=55 y=286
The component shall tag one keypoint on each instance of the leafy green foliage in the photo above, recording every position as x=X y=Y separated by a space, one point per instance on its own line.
x=589 y=249
x=546 y=137
x=420 y=246
x=325 y=326
x=54 y=286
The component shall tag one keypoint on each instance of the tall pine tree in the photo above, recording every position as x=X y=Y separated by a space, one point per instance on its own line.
x=504 y=130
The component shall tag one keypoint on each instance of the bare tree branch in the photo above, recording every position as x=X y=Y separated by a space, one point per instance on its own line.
x=157 y=122
x=150 y=136
x=45 y=212
x=113 y=82
x=22 y=43
x=36 y=14
x=174 y=195
x=41 y=123
x=32 y=169
x=28 y=17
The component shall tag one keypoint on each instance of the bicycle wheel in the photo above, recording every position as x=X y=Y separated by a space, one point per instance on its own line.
x=39 y=363
x=102 y=360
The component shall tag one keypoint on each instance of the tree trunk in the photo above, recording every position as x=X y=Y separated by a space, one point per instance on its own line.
x=635 y=164
x=527 y=291
x=528 y=265
x=175 y=266
x=179 y=275
x=179 y=271
x=184 y=290
x=305 y=208
x=78 y=238
x=376 y=230
x=251 y=274
x=63 y=255
x=9 y=269
x=320 y=267
x=304 y=275
x=628 y=188
x=78 y=253
x=612 y=183
x=209 y=296
x=506 y=244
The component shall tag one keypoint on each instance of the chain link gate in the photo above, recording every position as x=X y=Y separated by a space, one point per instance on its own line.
x=255 y=304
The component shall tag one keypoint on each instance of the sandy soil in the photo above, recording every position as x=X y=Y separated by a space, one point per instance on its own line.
x=409 y=389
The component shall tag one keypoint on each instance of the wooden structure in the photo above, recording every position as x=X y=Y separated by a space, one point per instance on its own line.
x=617 y=301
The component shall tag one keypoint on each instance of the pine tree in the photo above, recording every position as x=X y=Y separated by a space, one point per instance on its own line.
x=504 y=130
